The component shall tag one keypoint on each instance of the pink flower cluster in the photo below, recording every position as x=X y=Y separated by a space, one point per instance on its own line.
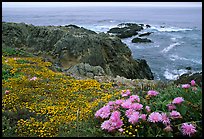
x=175 y=114
x=113 y=123
x=165 y=119
x=152 y=93
x=134 y=97
x=171 y=107
x=177 y=100
x=155 y=117
x=103 y=112
x=186 y=86
x=188 y=129
x=134 y=117
x=193 y=83
x=133 y=112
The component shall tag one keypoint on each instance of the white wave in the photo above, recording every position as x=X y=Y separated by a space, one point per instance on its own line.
x=173 y=39
x=176 y=57
x=100 y=28
x=170 y=29
x=174 y=74
x=170 y=76
x=165 y=50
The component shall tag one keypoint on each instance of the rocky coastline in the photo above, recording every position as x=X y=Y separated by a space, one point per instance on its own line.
x=77 y=50
x=83 y=53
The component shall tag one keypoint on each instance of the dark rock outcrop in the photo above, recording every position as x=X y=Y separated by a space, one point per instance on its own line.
x=67 y=46
x=186 y=78
x=188 y=68
x=126 y=30
x=148 y=26
x=141 y=40
x=144 y=34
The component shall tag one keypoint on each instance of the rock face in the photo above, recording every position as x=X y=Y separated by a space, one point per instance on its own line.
x=126 y=30
x=84 y=69
x=141 y=40
x=67 y=46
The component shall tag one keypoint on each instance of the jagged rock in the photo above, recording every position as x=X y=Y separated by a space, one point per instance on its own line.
x=148 y=26
x=144 y=34
x=69 y=46
x=126 y=30
x=141 y=40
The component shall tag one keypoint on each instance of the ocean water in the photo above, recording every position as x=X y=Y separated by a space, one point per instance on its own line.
x=177 y=32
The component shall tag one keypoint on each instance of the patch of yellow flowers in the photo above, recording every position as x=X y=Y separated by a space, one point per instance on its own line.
x=50 y=94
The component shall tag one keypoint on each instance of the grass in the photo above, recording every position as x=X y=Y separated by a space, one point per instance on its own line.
x=58 y=105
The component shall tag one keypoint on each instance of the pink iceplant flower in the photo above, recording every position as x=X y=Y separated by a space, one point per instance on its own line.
x=134 y=118
x=152 y=93
x=143 y=116
x=113 y=123
x=119 y=101
x=175 y=114
x=193 y=82
x=188 y=129
x=171 y=107
x=186 y=86
x=106 y=125
x=148 y=109
x=165 y=119
x=103 y=112
x=129 y=112
x=136 y=106
x=134 y=97
x=110 y=103
x=155 y=117
x=177 y=100
x=127 y=104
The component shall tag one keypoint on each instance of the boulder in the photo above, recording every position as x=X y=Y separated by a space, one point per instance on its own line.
x=84 y=69
x=68 y=46
x=148 y=26
x=125 y=30
x=141 y=40
x=144 y=34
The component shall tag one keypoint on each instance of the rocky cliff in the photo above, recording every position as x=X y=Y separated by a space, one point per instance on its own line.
x=67 y=46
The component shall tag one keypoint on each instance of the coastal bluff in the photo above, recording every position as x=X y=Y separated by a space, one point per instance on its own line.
x=70 y=45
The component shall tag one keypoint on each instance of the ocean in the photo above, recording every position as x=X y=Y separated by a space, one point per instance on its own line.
x=177 y=31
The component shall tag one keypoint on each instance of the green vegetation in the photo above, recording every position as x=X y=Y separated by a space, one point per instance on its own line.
x=38 y=102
